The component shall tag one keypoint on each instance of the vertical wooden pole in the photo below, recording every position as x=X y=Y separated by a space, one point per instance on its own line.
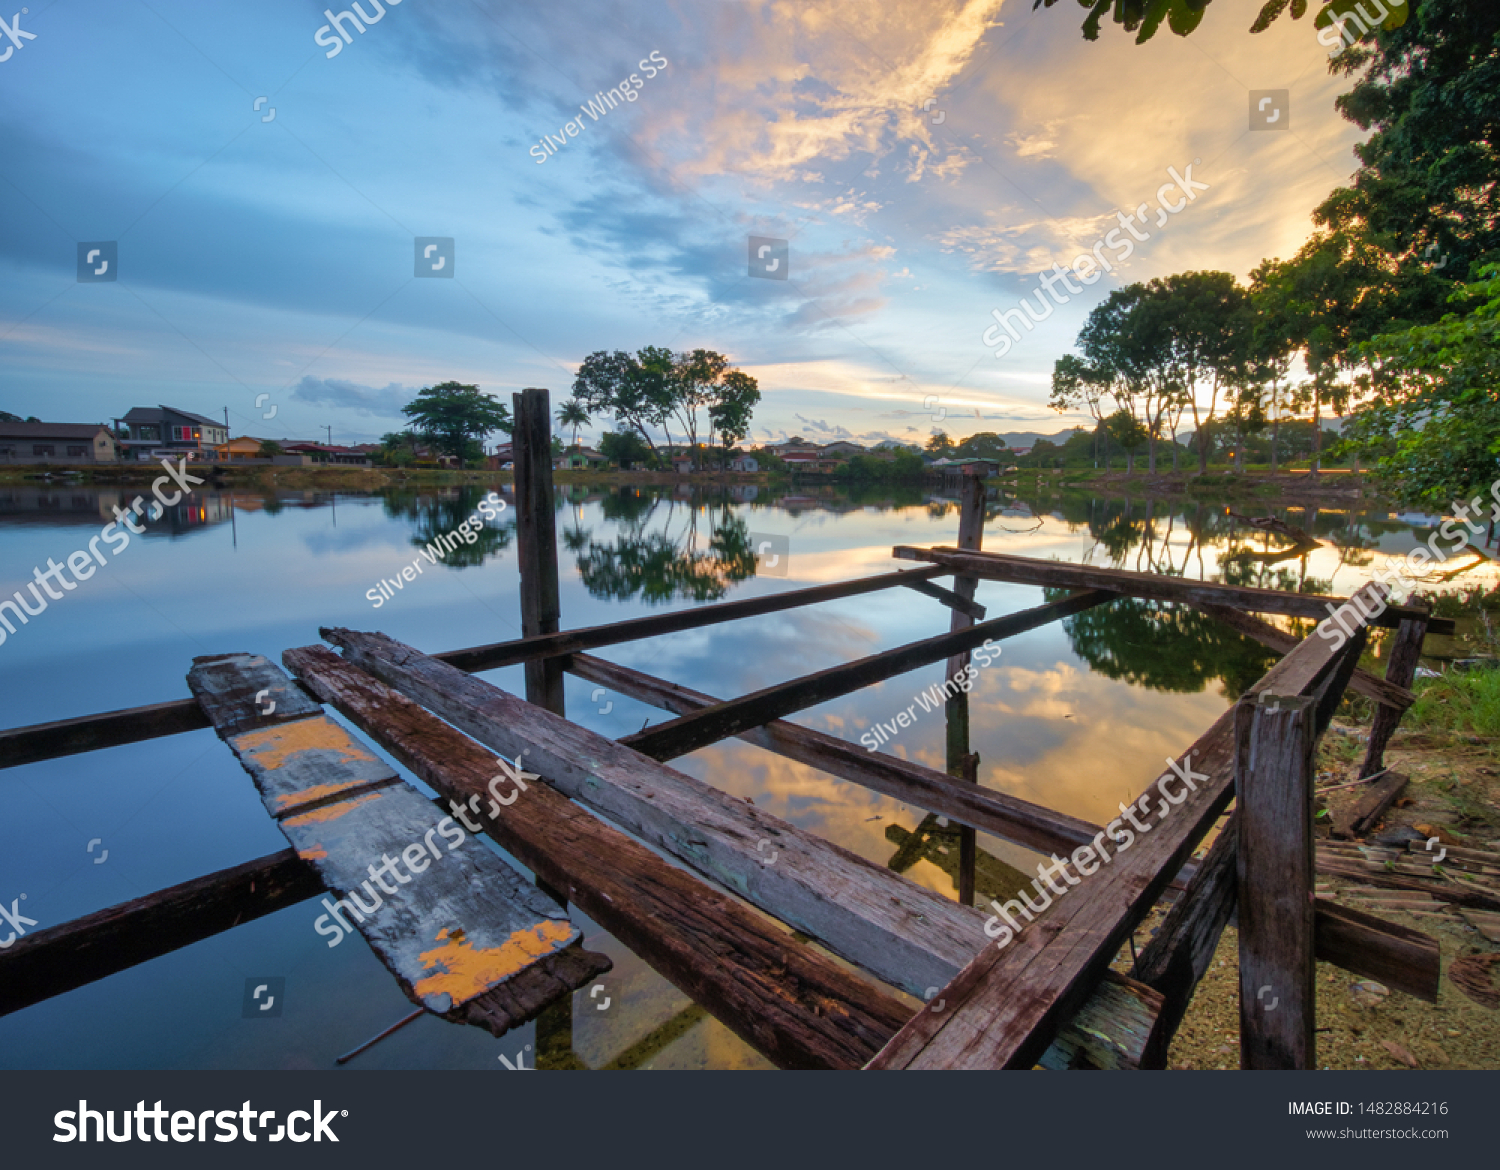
x=1274 y=740
x=961 y=763
x=536 y=541
x=1401 y=669
x=536 y=547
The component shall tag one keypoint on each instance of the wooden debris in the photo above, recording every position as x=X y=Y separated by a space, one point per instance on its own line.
x=1474 y=975
x=1359 y=819
x=1486 y=923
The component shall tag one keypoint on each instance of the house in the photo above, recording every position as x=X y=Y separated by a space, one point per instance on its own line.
x=152 y=432
x=326 y=453
x=744 y=463
x=796 y=445
x=579 y=459
x=238 y=450
x=41 y=442
x=683 y=464
x=840 y=450
x=1020 y=452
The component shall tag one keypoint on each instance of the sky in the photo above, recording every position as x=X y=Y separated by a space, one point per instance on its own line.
x=924 y=163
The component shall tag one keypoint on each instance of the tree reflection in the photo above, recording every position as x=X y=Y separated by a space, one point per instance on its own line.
x=657 y=566
x=432 y=517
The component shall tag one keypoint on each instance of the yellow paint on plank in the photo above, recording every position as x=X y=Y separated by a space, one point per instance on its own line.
x=312 y=853
x=316 y=792
x=271 y=747
x=465 y=971
x=329 y=812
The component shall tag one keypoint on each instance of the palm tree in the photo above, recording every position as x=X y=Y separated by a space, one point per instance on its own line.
x=572 y=414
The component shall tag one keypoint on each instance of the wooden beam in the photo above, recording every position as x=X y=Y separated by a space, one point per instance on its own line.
x=687 y=733
x=1008 y=817
x=536 y=542
x=52 y=961
x=1029 y=571
x=954 y=601
x=1275 y=737
x=1006 y=1005
x=1372 y=686
x=905 y=934
x=1401 y=671
x=88 y=733
x=800 y=1009
x=497 y=654
x=1401 y=958
x=1365 y=813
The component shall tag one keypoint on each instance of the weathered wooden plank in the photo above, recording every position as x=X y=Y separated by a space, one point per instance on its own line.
x=1401 y=958
x=1371 y=686
x=904 y=934
x=1401 y=671
x=687 y=733
x=1008 y=817
x=1112 y=1030
x=954 y=601
x=60 y=958
x=88 y=733
x=800 y=1009
x=1275 y=737
x=497 y=654
x=240 y=692
x=1005 y=1006
x=1362 y=816
x=448 y=918
x=536 y=542
x=1028 y=571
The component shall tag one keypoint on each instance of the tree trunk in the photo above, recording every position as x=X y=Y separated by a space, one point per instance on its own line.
x=1317 y=436
x=1275 y=435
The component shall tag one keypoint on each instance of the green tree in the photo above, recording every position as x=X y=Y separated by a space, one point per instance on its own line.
x=731 y=411
x=1075 y=385
x=452 y=416
x=268 y=449
x=572 y=414
x=1128 y=434
x=1433 y=427
x=634 y=390
x=939 y=444
x=624 y=448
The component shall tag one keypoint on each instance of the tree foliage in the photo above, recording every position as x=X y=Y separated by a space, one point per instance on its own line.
x=455 y=418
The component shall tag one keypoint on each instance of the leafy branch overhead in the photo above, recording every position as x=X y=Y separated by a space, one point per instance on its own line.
x=1145 y=17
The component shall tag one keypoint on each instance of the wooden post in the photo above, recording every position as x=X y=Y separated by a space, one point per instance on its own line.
x=536 y=542
x=536 y=547
x=962 y=764
x=1401 y=669
x=1274 y=740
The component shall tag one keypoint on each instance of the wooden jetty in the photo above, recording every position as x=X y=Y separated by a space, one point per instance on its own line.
x=813 y=955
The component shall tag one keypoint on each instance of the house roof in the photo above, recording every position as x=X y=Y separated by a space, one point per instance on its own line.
x=156 y=414
x=51 y=430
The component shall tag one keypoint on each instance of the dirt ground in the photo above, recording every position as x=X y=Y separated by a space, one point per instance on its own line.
x=1454 y=792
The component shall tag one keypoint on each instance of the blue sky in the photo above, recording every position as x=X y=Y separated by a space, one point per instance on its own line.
x=276 y=257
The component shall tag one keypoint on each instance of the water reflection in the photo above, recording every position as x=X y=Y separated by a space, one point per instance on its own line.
x=441 y=514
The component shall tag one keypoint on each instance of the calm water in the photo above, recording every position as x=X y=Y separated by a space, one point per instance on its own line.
x=1076 y=716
